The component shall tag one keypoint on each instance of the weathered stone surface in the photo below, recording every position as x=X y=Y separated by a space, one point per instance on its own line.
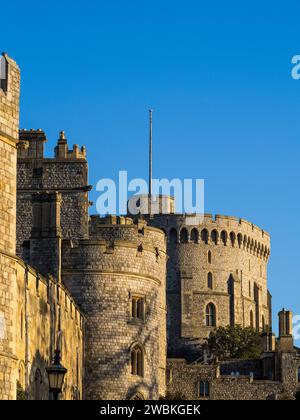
x=236 y=254
x=117 y=262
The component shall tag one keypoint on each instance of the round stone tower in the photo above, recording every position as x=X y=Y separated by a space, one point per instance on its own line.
x=118 y=278
x=216 y=276
x=9 y=132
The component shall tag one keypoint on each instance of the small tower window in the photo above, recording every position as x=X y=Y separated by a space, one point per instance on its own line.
x=137 y=361
x=137 y=307
x=203 y=390
x=214 y=237
x=209 y=258
x=210 y=281
x=184 y=236
x=194 y=236
x=204 y=236
x=173 y=236
x=251 y=319
x=210 y=315
x=224 y=237
x=298 y=374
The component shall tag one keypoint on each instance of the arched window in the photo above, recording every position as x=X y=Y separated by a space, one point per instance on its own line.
x=209 y=257
x=184 y=236
x=240 y=240
x=194 y=236
x=204 y=236
x=38 y=382
x=210 y=315
x=22 y=374
x=137 y=397
x=203 y=390
x=251 y=319
x=214 y=237
x=299 y=374
x=224 y=237
x=232 y=238
x=263 y=324
x=210 y=281
x=137 y=360
x=173 y=236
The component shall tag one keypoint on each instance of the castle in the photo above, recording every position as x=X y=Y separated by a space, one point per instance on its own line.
x=127 y=300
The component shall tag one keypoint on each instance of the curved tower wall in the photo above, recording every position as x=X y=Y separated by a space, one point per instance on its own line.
x=120 y=260
x=236 y=254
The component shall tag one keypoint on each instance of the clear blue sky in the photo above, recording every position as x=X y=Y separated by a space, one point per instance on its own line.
x=218 y=75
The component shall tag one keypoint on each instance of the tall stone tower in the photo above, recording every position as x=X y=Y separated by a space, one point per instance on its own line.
x=65 y=173
x=9 y=134
x=216 y=275
x=117 y=276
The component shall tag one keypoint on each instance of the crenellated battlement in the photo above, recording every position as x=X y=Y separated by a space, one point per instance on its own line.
x=216 y=229
x=32 y=144
x=117 y=231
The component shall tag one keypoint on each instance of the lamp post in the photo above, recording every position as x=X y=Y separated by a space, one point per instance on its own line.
x=56 y=375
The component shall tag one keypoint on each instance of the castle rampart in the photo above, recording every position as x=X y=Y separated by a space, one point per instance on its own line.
x=45 y=318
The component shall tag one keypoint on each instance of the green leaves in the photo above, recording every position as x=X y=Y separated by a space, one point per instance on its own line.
x=235 y=343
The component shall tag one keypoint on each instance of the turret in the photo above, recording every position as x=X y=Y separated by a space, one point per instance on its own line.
x=117 y=276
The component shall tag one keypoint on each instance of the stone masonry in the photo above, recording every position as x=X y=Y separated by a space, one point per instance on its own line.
x=66 y=173
x=37 y=313
x=235 y=254
x=115 y=294
x=119 y=261
x=9 y=126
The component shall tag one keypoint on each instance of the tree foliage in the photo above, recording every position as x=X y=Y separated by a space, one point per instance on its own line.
x=234 y=343
x=21 y=395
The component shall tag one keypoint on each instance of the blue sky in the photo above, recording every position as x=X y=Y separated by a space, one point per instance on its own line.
x=218 y=75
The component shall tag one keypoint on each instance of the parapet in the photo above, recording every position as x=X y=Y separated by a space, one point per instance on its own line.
x=32 y=143
x=62 y=151
x=116 y=230
x=213 y=230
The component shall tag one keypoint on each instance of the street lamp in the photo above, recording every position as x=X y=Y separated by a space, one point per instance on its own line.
x=56 y=375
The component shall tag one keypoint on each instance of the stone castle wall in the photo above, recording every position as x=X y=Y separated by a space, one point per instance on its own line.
x=184 y=381
x=45 y=316
x=235 y=254
x=120 y=260
x=66 y=173
x=9 y=126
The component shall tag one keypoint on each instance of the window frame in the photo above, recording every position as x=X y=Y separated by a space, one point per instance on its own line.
x=209 y=316
x=137 y=356
x=203 y=389
x=137 y=297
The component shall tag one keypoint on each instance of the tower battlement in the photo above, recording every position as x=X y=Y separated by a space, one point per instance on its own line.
x=32 y=144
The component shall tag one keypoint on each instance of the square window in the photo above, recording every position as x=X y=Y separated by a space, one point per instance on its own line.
x=137 y=307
